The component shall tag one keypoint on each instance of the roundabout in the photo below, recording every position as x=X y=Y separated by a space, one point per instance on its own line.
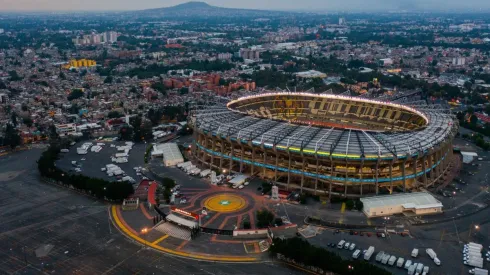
x=225 y=203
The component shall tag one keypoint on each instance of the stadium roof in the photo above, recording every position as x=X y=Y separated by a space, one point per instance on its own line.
x=339 y=143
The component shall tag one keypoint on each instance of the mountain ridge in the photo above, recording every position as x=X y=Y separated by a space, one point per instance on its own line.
x=203 y=9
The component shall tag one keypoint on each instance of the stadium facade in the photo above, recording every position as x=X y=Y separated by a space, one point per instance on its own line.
x=328 y=144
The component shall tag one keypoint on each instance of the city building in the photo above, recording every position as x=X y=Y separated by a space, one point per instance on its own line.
x=386 y=62
x=311 y=74
x=342 y=21
x=80 y=63
x=69 y=129
x=96 y=38
x=224 y=56
x=417 y=203
x=249 y=54
x=459 y=61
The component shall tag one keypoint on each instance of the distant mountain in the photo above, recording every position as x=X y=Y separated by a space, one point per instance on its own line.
x=204 y=10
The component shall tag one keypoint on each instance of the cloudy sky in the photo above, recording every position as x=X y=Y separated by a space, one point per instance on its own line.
x=314 y=5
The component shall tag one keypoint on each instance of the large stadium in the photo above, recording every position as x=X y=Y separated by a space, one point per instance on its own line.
x=335 y=145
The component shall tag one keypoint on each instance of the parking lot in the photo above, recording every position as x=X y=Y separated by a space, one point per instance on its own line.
x=395 y=245
x=93 y=162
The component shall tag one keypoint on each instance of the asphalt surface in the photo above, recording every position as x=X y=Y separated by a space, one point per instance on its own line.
x=35 y=214
x=95 y=161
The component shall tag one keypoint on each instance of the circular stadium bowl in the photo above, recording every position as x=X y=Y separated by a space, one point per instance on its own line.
x=327 y=144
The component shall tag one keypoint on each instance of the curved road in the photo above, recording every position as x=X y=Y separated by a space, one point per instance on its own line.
x=47 y=229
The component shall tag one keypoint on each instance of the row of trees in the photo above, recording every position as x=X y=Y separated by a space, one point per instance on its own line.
x=102 y=189
x=265 y=218
x=302 y=252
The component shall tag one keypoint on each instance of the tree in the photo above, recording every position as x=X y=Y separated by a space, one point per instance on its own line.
x=11 y=136
x=184 y=90
x=126 y=133
x=76 y=93
x=108 y=80
x=487 y=109
x=13 y=118
x=264 y=218
x=247 y=225
x=27 y=121
x=349 y=204
x=114 y=114
x=473 y=120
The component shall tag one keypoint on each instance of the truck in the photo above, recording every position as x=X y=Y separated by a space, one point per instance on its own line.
x=415 y=252
x=392 y=260
x=205 y=173
x=431 y=253
x=479 y=271
x=400 y=261
x=385 y=259
x=184 y=164
x=473 y=249
x=369 y=253
x=475 y=245
x=472 y=262
x=411 y=270
x=379 y=256
x=195 y=171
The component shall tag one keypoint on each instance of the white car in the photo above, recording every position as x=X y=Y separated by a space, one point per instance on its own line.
x=352 y=246
x=408 y=263
x=246 y=183
x=241 y=187
x=346 y=245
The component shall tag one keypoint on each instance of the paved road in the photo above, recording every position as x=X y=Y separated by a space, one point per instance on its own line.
x=35 y=214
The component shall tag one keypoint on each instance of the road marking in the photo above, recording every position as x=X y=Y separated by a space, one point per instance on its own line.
x=160 y=239
x=204 y=257
x=145 y=212
x=182 y=245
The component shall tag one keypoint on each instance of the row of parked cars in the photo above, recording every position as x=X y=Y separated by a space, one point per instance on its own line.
x=413 y=268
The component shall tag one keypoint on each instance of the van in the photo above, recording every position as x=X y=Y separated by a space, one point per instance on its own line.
x=408 y=263
x=346 y=245
x=341 y=244
x=356 y=254
x=415 y=252
x=352 y=246
x=431 y=253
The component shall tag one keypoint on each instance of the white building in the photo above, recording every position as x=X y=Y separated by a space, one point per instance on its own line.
x=342 y=21
x=459 y=61
x=386 y=61
x=170 y=152
x=224 y=56
x=311 y=74
x=66 y=129
x=419 y=203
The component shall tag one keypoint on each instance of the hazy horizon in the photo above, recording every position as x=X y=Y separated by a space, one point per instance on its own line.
x=305 y=5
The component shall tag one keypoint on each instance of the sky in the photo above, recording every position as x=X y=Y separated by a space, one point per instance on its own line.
x=312 y=5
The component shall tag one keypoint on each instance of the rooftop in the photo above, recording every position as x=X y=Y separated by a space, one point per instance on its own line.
x=416 y=200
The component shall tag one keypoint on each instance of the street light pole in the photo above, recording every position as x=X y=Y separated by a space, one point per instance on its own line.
x=144 y=231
